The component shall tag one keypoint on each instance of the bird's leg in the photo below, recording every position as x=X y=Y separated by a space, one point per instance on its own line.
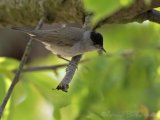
x=63 y=58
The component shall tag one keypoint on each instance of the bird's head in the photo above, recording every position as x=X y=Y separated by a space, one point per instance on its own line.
x=97 y=40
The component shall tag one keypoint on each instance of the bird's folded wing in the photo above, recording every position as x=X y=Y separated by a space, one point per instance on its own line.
x=59 y=36
x=66 y=36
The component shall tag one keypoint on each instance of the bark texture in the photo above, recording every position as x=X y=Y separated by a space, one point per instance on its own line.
x=28 y=12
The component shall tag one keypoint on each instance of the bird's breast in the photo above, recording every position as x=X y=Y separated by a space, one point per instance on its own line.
x=64 y=51
x=69 y=51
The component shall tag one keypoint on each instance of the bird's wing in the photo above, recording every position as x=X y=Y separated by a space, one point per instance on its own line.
x=61 y=37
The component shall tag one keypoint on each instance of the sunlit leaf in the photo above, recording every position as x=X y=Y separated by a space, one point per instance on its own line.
x=8 y=63
x=2 y=87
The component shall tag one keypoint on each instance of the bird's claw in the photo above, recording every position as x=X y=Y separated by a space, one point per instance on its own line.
x=63 y=87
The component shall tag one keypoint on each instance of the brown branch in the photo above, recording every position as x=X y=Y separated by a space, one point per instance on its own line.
x=27 y=13
x=137 y=8
x=65 y=12
x=151 y=15
x=18 y=72
x=128 y=14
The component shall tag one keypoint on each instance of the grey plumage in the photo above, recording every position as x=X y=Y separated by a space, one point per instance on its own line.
x=65 y=41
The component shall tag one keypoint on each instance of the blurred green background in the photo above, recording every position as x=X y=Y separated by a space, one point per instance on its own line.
x=122 y=85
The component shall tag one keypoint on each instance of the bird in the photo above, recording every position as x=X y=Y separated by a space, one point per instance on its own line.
x=67 y=41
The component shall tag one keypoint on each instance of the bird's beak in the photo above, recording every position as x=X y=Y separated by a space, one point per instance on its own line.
x=102 y=49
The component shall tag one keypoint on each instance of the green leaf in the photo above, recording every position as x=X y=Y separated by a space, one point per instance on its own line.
x=8 y=63
x=2 y=87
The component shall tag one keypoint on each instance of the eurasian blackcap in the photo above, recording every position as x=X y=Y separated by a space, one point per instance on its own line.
x=67 y=41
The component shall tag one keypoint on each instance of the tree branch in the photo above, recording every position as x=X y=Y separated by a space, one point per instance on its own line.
x=28 y=12
x=128 y=14
x=151 y=15
x=16 y=78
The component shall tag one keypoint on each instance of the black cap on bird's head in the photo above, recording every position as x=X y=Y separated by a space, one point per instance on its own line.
x=97 y=39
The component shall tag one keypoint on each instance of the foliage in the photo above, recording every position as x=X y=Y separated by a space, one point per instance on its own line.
x=122 y=85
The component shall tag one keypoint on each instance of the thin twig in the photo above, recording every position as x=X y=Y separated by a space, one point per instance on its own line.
x=52 y=67
x=16 y=77
x=40 y=68
x=71 y=68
